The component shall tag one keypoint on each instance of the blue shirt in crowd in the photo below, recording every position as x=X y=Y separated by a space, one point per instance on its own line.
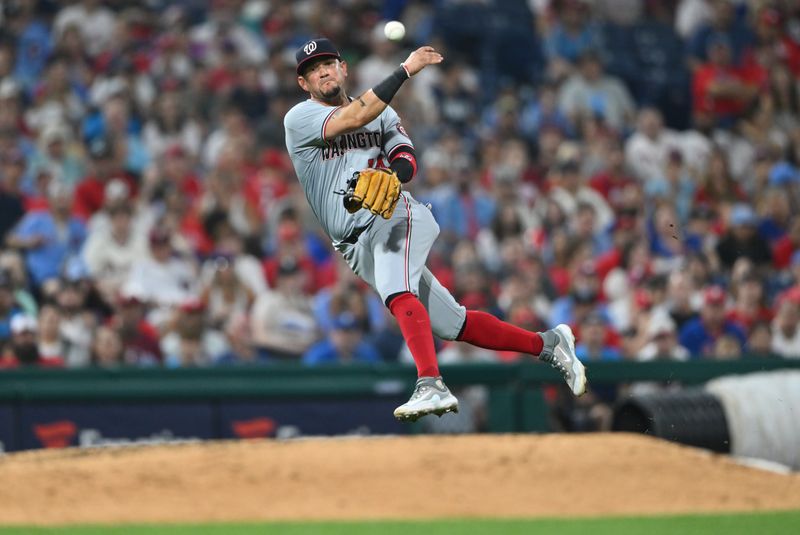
x=325 y=353
x=45 y=262
x=695 y=337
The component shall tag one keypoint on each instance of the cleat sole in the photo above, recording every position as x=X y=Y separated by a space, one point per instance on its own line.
x=414 y=416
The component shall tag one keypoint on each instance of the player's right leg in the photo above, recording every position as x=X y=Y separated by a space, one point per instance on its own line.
x=400 y=248
x=390 y=258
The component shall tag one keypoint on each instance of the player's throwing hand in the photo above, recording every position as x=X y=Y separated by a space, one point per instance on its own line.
x=421 y=58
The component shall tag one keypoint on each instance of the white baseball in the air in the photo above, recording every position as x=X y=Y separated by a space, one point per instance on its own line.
x=394 y=30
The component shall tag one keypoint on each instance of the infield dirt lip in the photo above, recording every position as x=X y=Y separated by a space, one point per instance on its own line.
x=486 y=476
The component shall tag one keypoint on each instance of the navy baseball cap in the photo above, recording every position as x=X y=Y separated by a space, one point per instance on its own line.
x=314 y=49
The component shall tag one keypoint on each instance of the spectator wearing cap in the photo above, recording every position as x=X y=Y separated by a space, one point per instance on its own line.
x=176 y=169
x=23 y=349
x=241 y=350
x=116 y=119
x=591 y=93
x=344 y=344
x=675 y=186
x=583 y=297
x=52 y=346
x=95 y=21
x=742 y=239
x=118 y=194
x=224 y=292
x=662 y=340
x=12 y=199
x=571 y=35
x=51 y=237
x=614 y=180
x=110 y=251
x=282 y=321
x=770 y=33
x=56 y=98
x=77 y=320
x=162 y=278
x=571 y=189
x=725 y=23
x=647 y=151
x=107 y=348
x=191 y=340
x=786 y=328
x=700 y=335
x=662 y=344
x=749 y=305
x=139 y=338
x=682 y=302
x=54 y=152
x=291 y=246
x=172 y=127
x=230 y=244
x=719 y=87
x=592 y=346
x=90 y=193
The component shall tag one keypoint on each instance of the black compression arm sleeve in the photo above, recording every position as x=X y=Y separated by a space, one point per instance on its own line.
x=403 y=168
x=403 y=161
x=387 y=88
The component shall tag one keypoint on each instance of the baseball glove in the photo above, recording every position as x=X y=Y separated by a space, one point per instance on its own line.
x=377 y=190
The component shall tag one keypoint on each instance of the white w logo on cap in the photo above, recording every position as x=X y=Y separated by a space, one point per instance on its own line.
x=310 y=47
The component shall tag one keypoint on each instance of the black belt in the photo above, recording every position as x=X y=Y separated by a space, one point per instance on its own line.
x=353 y=237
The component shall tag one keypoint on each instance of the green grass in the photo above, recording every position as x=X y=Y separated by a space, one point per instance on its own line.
x=777 y=523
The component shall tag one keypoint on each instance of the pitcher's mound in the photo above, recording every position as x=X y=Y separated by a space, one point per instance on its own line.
x=381 y=478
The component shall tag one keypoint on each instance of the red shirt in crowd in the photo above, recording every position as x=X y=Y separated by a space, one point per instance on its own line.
x=746 y=321
x=91 y=194
x=782 y=252
x=611 y=186
x=709 y=74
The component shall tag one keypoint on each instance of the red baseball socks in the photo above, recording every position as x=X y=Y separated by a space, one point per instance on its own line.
x=415 y=324
x=484 y=330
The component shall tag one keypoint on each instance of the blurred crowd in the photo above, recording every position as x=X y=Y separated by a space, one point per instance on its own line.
x=628 y=167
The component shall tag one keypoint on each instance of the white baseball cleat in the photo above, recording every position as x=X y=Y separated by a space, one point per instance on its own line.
x=559 y=352
x=431 y=396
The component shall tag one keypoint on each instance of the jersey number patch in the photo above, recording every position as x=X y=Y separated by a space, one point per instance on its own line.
x=376 y=164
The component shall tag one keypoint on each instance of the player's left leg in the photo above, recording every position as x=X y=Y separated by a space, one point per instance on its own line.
x=555 y=346
x=451 y=321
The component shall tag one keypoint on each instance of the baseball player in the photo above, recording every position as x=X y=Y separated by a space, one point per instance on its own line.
x=352 y=156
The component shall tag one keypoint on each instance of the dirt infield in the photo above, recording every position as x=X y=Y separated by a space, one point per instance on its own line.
x=350 y=478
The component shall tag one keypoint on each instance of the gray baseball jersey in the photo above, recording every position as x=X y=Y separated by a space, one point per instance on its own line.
x=390 y=255
x=324 y=167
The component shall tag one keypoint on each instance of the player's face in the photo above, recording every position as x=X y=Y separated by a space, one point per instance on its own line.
x=324 y=80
